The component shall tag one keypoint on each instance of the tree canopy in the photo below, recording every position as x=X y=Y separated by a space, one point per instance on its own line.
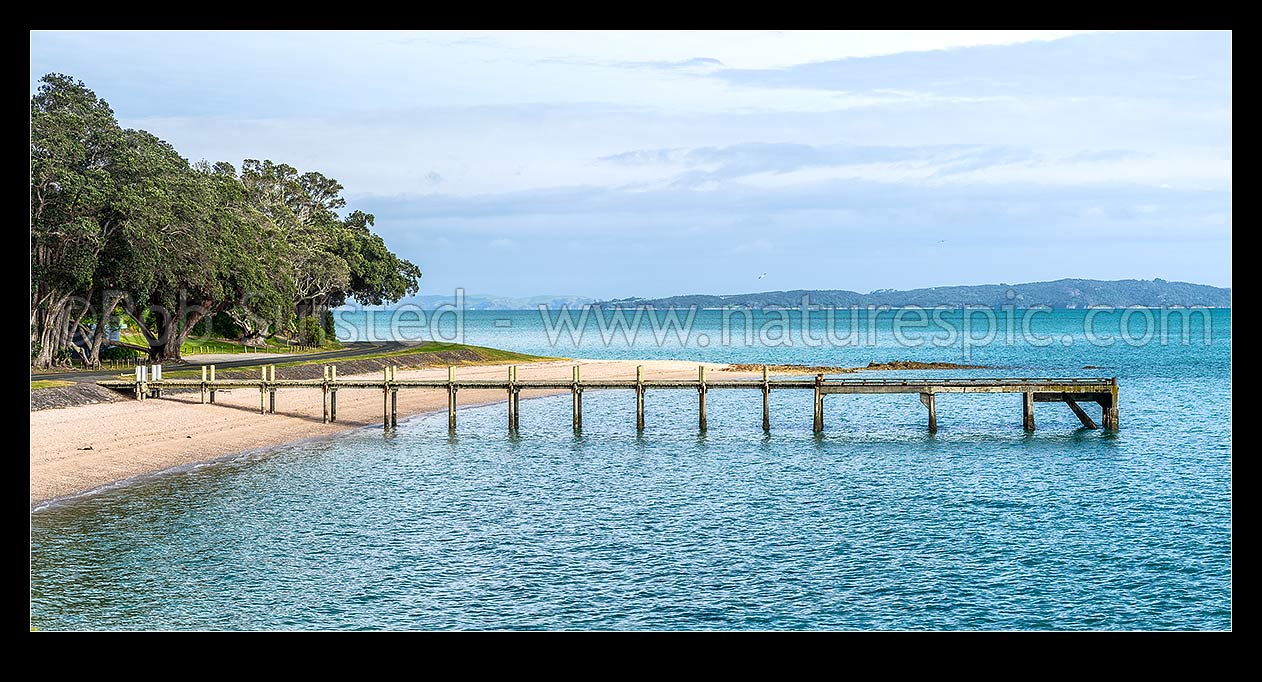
x=120 y=221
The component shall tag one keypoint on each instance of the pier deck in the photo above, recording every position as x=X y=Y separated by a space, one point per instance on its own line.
x=1071 y=391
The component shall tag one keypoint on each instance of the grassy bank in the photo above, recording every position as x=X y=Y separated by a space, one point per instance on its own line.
x=205 y=346
x=49 y=383
x=430 y=354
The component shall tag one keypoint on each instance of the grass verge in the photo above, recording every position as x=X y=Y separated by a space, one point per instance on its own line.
x=426 y=354
x=49 y=383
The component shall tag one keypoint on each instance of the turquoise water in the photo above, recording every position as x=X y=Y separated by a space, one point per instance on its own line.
x=875 y=524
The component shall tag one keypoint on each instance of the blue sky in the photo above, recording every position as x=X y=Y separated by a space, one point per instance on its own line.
x=657 y=163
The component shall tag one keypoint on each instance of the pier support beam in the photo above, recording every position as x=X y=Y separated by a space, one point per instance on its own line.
x=271 y=391
x=930 y=402
x=576 y=394
x=263 y=390
x=819 y=404
x=1027 y=410
x=1082 y=416
x=766 y=401
x=639 y=398
x=701 y=391
x=202 y=395
x=451 y=398
x=212 y=384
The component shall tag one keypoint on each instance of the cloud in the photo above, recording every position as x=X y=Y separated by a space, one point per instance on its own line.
x=1092 y=155
x=1165 y=65
x=711 y=164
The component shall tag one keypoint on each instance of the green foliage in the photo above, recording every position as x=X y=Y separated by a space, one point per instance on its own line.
x=117 y=353
x=330 y=327
x=117 y=210
x=311 y=332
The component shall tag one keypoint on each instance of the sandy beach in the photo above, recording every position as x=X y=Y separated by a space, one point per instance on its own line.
x=78 y=449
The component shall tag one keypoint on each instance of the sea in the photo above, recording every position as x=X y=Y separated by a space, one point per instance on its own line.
x=875 y=524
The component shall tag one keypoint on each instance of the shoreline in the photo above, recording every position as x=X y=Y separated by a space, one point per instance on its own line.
x=87 y=449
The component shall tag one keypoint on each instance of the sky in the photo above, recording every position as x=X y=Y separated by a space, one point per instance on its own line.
x=613 y=164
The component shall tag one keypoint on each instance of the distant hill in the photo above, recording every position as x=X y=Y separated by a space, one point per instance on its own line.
x=1062 y=293
x=484 y=302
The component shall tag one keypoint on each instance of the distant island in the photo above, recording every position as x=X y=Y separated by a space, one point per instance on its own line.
x=487 y=302
x=1062 y=293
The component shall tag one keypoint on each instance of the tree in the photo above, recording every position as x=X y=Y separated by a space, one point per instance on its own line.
x=120 y=220
x=75 y=147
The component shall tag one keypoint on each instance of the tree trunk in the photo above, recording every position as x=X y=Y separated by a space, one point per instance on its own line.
x=50 y=337
x=167 y=345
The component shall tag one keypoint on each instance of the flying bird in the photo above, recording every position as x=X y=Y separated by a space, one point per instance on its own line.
x=762 y=275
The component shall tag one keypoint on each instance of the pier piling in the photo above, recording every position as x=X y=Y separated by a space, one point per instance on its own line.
x=928 y=400
x=1109 y=407
x=451 y=398
x=512 y=404
x=576 y=394
x=394 y=397
x=324 y=389
x=639 y=398
x=1027 y=410
x=766 y=401
x=819 y=404
x=701 y=391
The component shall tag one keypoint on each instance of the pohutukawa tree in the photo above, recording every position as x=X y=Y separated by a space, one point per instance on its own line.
x=122 y=224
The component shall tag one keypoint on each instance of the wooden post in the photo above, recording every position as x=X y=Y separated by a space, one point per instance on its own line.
x=385 y=398
x=203 y=386
x=1110 y=408
x=271 y=393
x=701 y=391
x=512 y=418
x=451 y=398
x=157 y=377
x=576 y=393
x=324 y=390
x=394 y=396
x=639 y=398
x=263 y=391
x=516 y=401
x=140 y=382
x=1027 y=410
x=766 y=400
x=1082 y=416
x=929 y=401
x=212 y=384
x=819 y=404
